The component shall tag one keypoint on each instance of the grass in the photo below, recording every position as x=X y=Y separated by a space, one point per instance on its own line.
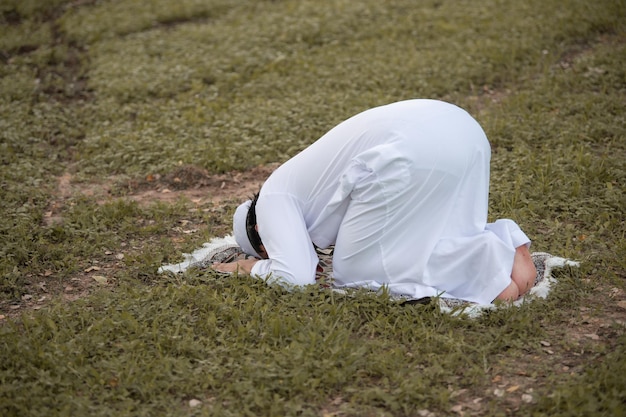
x=118 y=93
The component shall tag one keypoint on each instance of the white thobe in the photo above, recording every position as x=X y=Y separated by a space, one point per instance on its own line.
x=402 y=192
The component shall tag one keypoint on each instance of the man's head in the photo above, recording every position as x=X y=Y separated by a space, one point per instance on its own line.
x=245 y=229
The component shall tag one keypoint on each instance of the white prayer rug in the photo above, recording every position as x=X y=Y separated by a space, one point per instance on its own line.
x=226 y=250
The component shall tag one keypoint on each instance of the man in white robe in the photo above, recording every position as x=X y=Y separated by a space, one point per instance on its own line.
x=401 y=191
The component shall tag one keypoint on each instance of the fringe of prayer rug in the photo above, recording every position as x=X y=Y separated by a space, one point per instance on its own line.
x=226 y=250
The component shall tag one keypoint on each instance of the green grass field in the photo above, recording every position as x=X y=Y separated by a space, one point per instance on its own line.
x=119 y=120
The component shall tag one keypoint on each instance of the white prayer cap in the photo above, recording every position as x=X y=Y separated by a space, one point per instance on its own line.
x=239 y=229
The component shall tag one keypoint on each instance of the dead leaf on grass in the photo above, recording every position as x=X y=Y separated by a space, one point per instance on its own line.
x=592 y=336
x=92 y=268
x=100 y=279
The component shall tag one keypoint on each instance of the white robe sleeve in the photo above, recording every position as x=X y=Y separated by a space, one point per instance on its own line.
x=292 y=258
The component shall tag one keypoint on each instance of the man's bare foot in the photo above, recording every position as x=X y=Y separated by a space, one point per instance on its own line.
x=522 y=277
x=524 y=271
x=510 y=293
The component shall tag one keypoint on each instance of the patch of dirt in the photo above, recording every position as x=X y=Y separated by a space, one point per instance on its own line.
x=187 y=182
x=486 y=96
x=196 y=185
x=45 y=287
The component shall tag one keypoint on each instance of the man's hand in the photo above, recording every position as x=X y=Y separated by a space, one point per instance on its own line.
x=242 y=266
